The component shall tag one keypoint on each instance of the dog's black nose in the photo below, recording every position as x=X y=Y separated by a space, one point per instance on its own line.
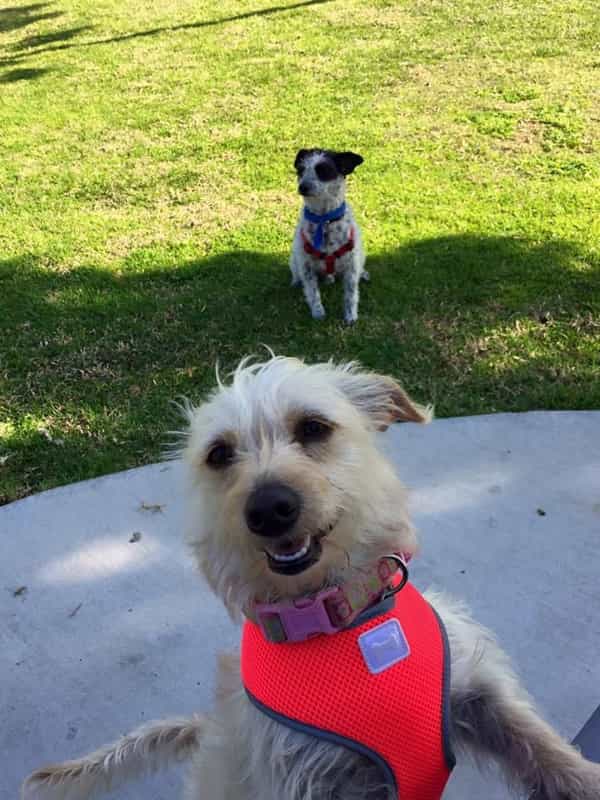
x=306 y=188
x=272 y=509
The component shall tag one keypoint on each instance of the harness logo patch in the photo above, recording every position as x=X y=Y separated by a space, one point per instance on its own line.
x=383 y=646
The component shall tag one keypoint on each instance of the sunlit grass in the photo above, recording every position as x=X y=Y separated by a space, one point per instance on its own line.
x=147 y=203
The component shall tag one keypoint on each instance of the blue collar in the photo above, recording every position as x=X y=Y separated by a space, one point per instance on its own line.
x=321 y=219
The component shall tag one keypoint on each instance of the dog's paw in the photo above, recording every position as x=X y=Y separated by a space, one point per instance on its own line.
x=295 y=282
x=318 y=312
x=329 y=279
x=365 y=276
x=350 y=319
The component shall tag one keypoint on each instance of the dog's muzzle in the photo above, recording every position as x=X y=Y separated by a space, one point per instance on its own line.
x=306 y=188
x=272 y=509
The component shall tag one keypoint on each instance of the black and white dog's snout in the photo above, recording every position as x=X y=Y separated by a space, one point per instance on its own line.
x=307 y=188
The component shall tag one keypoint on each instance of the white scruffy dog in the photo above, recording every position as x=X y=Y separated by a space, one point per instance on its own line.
x=289 y=493
x=327 y=242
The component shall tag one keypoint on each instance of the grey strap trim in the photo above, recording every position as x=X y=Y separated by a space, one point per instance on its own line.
x=446 y=712
x=334 y=738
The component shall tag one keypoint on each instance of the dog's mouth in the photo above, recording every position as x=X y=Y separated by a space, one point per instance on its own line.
x=291 y=557
x=295 y=559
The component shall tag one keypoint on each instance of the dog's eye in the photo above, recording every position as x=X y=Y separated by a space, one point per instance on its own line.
x=325 y=171
x=220 y=455
x=312 y=430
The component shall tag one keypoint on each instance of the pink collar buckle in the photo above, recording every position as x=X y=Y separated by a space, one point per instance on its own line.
x=296 y=620
x=331 y=609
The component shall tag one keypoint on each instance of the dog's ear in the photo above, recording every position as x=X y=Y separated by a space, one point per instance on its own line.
x=381 y=399
x=300 y=156
x=347 y=161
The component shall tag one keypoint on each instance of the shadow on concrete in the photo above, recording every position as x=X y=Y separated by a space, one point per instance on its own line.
x=141 y=631
x=108 y=632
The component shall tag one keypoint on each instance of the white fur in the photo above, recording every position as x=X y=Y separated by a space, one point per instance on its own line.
x=145 y=749
x=305 y=268
x=349 y=487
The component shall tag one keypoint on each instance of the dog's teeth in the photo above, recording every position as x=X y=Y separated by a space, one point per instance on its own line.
x=292 y=556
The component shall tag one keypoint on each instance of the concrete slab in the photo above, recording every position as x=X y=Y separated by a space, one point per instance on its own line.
x=104 y=623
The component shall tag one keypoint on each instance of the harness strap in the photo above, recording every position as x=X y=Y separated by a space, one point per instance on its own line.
x=322 y=219
x=328 y=258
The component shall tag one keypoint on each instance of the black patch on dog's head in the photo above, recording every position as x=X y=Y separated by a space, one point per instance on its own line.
x=302 y=154
x=334 y=163
x=346 y=162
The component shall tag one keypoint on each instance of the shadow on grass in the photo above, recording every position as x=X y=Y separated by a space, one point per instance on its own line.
x=14 y=17
x=475 y=324
x=29 y=42
x=51 y=38
x=14 y=75
x=260 y=12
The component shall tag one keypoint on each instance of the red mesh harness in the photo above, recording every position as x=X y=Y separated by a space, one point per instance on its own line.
x=328 y=258
x=379 y=687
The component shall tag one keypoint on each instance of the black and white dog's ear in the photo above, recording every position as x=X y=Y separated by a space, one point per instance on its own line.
x=300 y=156
x=347 y=161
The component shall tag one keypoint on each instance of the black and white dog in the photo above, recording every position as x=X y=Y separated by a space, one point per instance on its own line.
x=327 y=241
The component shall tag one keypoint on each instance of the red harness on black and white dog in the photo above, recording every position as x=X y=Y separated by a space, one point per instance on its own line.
x=328 y=258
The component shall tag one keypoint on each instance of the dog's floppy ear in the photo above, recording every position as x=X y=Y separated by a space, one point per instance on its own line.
x=347 y=161
x=300 y=156
x=381 y=398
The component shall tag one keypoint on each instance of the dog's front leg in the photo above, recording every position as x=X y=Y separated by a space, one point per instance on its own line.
x=493 y=716
x=310 y=284
x=295 y=269
x=351 y=294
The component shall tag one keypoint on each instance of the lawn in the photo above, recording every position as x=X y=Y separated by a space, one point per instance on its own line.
x=147 y=201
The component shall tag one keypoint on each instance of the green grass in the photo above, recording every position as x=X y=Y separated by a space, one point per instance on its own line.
x=147 y=203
